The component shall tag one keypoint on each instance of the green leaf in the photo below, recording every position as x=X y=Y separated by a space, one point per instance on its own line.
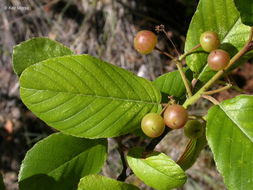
x=2 y=186
x=156 y=170
x=36 y=50
x=60 y=161
x=245 y=7
x=86 y=97
x=222 y=17
x=191 y=152
x=100 y=182
x=172 y=83
x=230 y=136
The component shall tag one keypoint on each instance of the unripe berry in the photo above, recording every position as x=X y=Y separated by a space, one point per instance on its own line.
x=218 y=59
x=145 y=41
x=152 y=125
x=193 y=129
x=175 y=116
x=209 y=41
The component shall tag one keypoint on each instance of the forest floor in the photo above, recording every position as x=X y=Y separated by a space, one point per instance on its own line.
x=104 y=29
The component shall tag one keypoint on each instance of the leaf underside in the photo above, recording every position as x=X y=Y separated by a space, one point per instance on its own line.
x=86 y=97
x=191 y=153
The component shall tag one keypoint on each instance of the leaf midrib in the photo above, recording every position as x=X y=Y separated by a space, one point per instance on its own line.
x=96 y=96
x=72 y=159
x=156 y=169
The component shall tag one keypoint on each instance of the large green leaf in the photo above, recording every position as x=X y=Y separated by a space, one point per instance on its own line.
x=191 y=152
x=156 y=169
x=230 y=136
x=172 y=84
x=86 y=97
x=245 y=7
x=2 y=186
x=60 y=161
x=99 y=182
x=222 y=17
x=35 y=50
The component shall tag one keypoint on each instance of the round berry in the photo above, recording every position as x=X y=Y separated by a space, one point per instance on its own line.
x=209 y=41
x=175 y=116
x=152 y=125
x=145 y=41
x=218 y=59
x=193 y=129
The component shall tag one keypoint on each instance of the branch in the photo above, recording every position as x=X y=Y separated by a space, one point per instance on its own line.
x=121 y=148
x=180 y=68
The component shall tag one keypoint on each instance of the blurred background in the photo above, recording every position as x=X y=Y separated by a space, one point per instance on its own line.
x=104 y=29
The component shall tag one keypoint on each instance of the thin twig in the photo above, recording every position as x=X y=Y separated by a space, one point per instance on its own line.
x=211 y=99
x=167 y=35
x=196 y=117
x=234 y=86
x=164 y=109
x=188 y=52
x=193 y=83
x=217 y=90
x=164 y=53
x=180 y=68
x=123 y=174
x=121 y=148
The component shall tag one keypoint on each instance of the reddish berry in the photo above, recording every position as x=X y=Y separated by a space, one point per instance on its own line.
x=218 y=59
x=145 y=41
x=175 y=116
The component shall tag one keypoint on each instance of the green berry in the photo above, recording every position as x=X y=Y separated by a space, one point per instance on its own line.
x=193 y=129
x=209 y=41
x=152 y=125
x=218 y=59
x=175 y=116
x=145 y=41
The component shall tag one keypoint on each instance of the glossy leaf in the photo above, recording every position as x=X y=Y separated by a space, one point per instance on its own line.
x=86 y=97
x=245 y=7
x=172 y=84
x=104 y=183
x=222 y=17
x=230 y=136
x=2 y=186
x=156 y=169
x=60 y=161
x=191 y=152
x=35 y=50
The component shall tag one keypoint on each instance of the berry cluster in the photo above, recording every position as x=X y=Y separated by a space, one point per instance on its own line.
x=218 y=59
x=175 y=117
